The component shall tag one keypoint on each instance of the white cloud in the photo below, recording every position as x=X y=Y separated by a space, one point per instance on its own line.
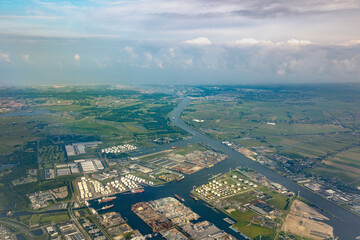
x=199 y=41
x=280 y=72
x=252 y=41
x=350 y=43
x=4 y=57
x=159 y=63
x=26 y=58
x=148 y=56
x=246 y=41
x=130 y=52
x=249 y=41
x=103 y=63
x=77 y=58
x=298 y=42
x=187 y=63
x=171 y=52
x=151 y=60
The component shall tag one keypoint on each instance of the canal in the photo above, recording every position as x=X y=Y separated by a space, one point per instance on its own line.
x=346 y=224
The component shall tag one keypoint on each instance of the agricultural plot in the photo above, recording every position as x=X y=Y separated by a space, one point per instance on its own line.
x=308 y=125
x=330 y=171
x=349 y=158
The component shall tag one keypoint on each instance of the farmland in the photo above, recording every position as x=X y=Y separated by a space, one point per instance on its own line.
x=298 y=123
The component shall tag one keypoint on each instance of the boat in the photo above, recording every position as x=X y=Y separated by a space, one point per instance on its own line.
x=106 y=199
x=179 y=198
x=137 y=190
x=193 y=197
x=180 y=179
x=107 y=207
x=174 y=147
x=229 y=221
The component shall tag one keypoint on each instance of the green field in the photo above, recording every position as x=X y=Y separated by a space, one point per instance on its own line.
x=17 y=131
x=349 y=158
x=308 y=124
x=45 y=219
x=254 y=230
x=189 y=149
x=334 y=172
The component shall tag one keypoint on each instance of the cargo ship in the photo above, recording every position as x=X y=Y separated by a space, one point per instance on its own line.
x=179 y=198
x=107 y=207
x=229 y=221
x=138 y=190
x=193 y=197
x=180 y=179
x=106 y=199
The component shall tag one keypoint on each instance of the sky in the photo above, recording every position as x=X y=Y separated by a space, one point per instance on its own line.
x=179 y=42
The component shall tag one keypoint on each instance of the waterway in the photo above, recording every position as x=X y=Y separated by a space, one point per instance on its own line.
x=25 y=113
x=346 y=224
x=7 y=166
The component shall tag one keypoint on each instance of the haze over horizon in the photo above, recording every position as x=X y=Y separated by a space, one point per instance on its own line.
x=172 y=42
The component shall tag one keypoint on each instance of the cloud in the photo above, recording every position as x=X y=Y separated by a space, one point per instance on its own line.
x=103 y=63
x=249 y=41
x=148 y=56
x=26 y=58
x=188 y=63
x=350 y=43
x=4 y=57
x=246 y=41
x=172 y=52
x=150 y=60
x=252 y=41
x=130 y=52
x=280 y=72
x=159 y=63
x=263 y=9
x=199 y=41
x=219 y=20
x=30 y=17
x=77 y=58
x=298 y=42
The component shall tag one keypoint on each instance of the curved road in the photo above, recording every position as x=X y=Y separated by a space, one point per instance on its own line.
x=20 y=228
x=346 y=224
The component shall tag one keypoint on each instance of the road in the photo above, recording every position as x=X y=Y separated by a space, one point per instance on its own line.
x=20 y=228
